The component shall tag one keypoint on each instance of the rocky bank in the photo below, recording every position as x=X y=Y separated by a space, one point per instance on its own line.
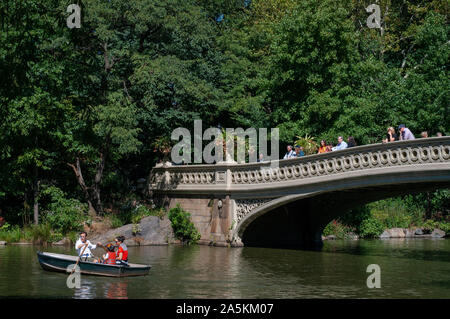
x=399 y=233
x=150 y=231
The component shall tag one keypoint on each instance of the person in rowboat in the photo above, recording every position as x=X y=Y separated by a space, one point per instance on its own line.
x=80 y=245
x=122 y=252
x=110 y=256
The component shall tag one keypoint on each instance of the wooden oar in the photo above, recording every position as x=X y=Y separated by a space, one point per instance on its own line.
x=79 y=257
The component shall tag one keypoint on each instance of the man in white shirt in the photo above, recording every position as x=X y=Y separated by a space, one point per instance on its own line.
x=80 y=245
x=341 y=144
x=290 y=153
x=405 y=133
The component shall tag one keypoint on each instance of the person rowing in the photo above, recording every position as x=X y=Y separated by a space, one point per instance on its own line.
x=84 y=246
x=122 y=252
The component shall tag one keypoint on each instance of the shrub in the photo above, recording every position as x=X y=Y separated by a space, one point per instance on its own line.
x=182 y=226
x=429 y=226
x=10 y=233
x=115 y=221
x=132 y=214
x=338 y=229
x=309 y=145
x=63 y=214
x=371 y=228
x=73 y=236
x=41 y=232
x=136 y=229
x=355 y=216
x=54 y=237
x=445 y=226
x=142 y=211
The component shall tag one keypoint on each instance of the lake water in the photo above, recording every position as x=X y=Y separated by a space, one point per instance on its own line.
x=410 y=268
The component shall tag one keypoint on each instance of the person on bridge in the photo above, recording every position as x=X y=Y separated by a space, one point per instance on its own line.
x=405 y=133
x=260 y=158
x=323 y=147
x=341 y=144
x=424 y=134
x=391 y=136
x=299 y=151
x=290 y=153
x=351 y=141
x=329 y=147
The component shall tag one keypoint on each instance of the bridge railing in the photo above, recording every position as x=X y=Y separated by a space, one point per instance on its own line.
x=225 y=176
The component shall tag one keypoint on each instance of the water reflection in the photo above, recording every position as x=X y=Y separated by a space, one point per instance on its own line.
x=411 y=248
x=409 y=269
x=116 y=290
x=87 y=289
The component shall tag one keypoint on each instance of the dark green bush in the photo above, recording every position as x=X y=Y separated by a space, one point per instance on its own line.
x=43 y=233
x=63 y=214
x=115 y=221
x=10 y=233
x=182 y=226
x=371 y=228
x=338 y=229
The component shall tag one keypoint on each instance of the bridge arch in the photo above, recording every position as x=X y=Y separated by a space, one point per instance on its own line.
x=252 y=192
x=298 y=220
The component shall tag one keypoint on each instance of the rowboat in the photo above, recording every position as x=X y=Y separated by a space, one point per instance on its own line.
x=60 y=262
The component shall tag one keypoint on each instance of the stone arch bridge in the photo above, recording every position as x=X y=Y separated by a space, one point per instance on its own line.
x=289 y=202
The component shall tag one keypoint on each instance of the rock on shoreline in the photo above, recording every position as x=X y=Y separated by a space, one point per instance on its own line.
x=411 y=233
x=151 y=231
x=398 y=233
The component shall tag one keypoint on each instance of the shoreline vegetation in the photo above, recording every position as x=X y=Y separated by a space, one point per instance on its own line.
x=413 y=216
x=136 y=221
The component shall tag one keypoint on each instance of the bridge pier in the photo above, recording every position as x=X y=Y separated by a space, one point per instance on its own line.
x=212 y=217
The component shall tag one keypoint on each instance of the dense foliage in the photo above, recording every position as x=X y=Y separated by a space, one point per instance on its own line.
x=89 y=111
x=182 y=226
x=426 y=211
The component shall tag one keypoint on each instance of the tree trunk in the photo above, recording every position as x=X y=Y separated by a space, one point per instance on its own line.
x=77 y=169
x=428 y=209
x=97 y=181
x=35 y=197
x=36 y=189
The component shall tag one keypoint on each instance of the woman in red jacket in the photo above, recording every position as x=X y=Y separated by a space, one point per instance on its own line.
x=122 y=252
x=110 y=256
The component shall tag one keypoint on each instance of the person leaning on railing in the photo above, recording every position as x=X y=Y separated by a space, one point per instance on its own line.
x=323 y=147
x=405 y=133
x=290 y=153
x=391 y=136
x=341 y=144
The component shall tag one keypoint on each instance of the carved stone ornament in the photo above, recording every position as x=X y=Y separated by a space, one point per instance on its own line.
x=245 y=206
